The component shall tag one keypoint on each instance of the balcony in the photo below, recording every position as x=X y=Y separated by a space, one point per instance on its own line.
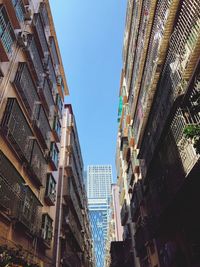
x=7 y=35
x=53 y=156
x=35 y=59
x=130 y=175
x=134 y=207
x=50 y=192
x=16 y=130
x=186 y=148
x=44 y=14
x=16 y=10
x=124 y=213
x=41 y=125
x=46 y=232
x=59 y=104
x=38 y=165
x=51 y=75
x=40 y=33
x=11 y=185
x=46 y=96
x=16 y=199
x=131 y=136
x=70 y=195
x=54 y=51
x=70 y=222
x=56 y=128
x=26 y=88
x=28 y=214
x=71 y=171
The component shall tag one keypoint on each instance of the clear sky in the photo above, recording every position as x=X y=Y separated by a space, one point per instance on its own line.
x=90 y=35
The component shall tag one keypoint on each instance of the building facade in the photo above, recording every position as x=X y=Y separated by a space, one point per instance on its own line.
x=73 y=241
x=99 y=179
x=115 y=229
x=32 y=89
x=159 y=133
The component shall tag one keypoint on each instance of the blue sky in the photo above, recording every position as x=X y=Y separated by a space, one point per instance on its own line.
x=90 y=35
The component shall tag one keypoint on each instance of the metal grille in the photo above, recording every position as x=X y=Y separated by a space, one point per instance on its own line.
x=52 y=74
x=183 y=41
x=48 y=94
x=38 y=163
x=17 y=129
x=7 y=35
x=36 y=60
x=43 y=125
x=161 y=16
x=54 y=51
x=44 y=14
x=41 y=34
x=26 y=87
x=8 y=171
x=19 y=9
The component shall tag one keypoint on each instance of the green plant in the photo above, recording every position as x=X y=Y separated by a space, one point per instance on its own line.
x=192 y=132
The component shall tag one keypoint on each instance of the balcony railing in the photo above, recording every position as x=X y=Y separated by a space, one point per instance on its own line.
x=54 y=51
x=41 y=124
x=35 y=59
x=46 y=232
x=70 y=221
x=7 y=36
x=19 y=9
x=38 y=165
x=16 y=199
x=186 y=148
x=16 y=10
x=71 y=169
x=15 y=128
x=56 y=128
x=50 y=192
x=124 y=213
x=39 y=30
x=53 y=156
x=26 y=87
x=44 y=14
x=52 y=75
x=46 y=95
x=70 y=194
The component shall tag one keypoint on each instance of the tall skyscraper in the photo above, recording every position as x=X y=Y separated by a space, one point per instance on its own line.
x=99 y=179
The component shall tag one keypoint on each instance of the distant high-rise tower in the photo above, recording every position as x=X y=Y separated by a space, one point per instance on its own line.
x=99 y=179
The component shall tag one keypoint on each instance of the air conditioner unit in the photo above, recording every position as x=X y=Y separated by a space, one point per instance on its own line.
x=22 y=39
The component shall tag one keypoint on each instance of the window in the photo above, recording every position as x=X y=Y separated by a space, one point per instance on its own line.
x=47 y=228
x=54 y=156
x=50 y=193
x=7 y=35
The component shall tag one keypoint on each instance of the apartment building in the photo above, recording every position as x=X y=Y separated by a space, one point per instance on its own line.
x=32 y=90
x=159 y=131
x=115 y=229
x=73 y=241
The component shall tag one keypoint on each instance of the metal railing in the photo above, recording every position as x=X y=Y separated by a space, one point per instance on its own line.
x=26 y=87
x=186 y=148
x=37 y=22
x=15 y=128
